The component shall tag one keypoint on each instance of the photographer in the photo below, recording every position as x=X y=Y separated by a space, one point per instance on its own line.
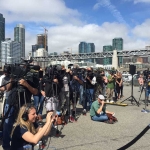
x=99 y=86
x=52 y=86
x=148 y=86
x=38 y=103
x=5 y=78
x=110 y=86
x=26 y=131
x=18 y=98
x=75 y=82
x=98 y=110
x=89 y=90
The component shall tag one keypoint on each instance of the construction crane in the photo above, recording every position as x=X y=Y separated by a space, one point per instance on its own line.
x=46 y=31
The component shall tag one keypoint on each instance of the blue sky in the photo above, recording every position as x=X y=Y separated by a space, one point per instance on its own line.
x=71 y=21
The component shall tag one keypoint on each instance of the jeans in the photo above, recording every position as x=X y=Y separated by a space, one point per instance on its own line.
x=7 y=126
x=100 y=117
x=38 y=99
x=89 y=98
x=81 y=94
x=147 y=92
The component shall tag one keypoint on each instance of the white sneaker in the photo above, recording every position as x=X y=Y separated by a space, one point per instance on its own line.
x=113 y=114
x=111 y=101
x=107 y=101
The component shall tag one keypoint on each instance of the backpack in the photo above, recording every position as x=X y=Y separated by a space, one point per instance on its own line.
x=111 y=119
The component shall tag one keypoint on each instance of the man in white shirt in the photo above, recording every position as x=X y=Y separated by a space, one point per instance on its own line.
x=4 y=96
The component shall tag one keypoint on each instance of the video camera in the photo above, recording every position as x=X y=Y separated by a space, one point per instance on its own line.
x=52 y=72
x=78 y=72
x=24 y=71
x=146 y=73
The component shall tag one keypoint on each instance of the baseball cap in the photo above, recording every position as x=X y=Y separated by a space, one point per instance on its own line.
x=101 y=97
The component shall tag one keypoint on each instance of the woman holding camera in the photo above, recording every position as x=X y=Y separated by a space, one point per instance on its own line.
x=118 y=85
x=26 y=131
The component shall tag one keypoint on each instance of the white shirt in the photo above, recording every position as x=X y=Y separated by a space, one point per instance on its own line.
x=1 y=78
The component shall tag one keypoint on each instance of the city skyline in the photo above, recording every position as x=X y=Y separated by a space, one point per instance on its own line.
x=70 y=22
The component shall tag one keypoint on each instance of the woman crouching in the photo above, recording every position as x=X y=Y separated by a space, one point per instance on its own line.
x=26 y=131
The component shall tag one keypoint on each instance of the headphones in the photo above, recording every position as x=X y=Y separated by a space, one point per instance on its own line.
x=25 y=114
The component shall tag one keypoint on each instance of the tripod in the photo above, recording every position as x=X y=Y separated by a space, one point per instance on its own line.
x=131 y=98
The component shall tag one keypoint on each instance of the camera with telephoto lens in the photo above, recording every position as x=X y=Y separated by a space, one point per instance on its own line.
x=78 y=72
x=146 y=73
x=52 y=72
x=25 y=71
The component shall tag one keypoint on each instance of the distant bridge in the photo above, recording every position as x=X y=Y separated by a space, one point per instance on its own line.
x=82 y=56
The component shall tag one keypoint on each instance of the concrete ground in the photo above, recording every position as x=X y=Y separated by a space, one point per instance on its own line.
x=89 y=135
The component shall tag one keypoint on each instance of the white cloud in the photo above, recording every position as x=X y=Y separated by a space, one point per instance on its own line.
x=68 y=30
x=69 y=36
x=48 y=11
x=142 y=31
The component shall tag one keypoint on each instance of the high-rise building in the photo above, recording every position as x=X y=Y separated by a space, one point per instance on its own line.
x=42 y=41
x=107 y=48
x=82 y=47
x=86 y=47
x=90 y=48
x=34 y=49
x=19 y=36
x=117 y=44
x=10 y=52
x=2 y=30
x=107 y=60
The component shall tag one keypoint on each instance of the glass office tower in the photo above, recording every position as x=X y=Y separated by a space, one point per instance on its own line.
x=82 y=47
x=2 y=31
x=19 y=36
x=117 y=44
x=10 y=52
x=87 y=48
x=107 y=60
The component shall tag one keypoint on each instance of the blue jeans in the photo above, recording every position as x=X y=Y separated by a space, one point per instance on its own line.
x=81 y=94
x=102 y=117
x=38 y=99
x=147 y=92
x=7 y=126
x=88 y=99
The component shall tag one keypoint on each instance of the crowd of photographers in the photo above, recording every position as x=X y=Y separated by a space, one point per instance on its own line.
x=63 y=88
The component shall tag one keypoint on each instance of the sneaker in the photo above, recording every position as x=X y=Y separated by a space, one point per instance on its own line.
x=111 y=101
x=107 y=101
x=113 y=114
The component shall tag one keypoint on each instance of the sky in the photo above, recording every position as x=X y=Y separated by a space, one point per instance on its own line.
x=70 y=22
